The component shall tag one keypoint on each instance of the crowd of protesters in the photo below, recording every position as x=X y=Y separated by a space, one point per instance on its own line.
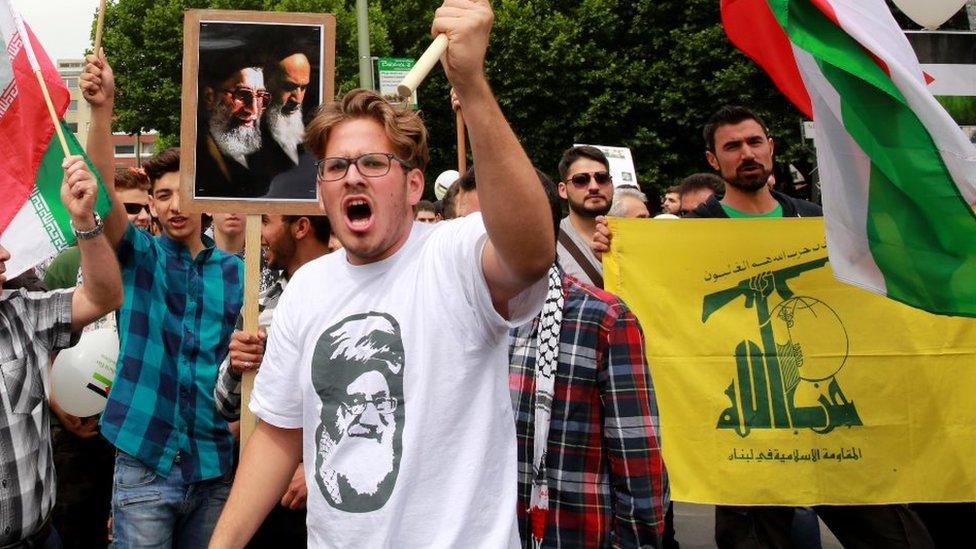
x=436 y=374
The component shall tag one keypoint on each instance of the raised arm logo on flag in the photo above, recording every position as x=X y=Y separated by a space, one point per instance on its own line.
x=898 y=174
x=33 y=223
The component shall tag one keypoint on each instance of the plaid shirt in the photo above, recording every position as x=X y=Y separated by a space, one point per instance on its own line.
x=227 y=393
x=607 y=483
x=32 y=325
x=174 y=330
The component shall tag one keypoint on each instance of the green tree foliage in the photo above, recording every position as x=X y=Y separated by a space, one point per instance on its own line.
x=640 y=73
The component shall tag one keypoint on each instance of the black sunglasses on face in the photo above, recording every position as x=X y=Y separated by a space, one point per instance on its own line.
x=133 y=208
x=582 y=179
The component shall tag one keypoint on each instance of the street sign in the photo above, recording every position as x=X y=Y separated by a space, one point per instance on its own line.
x=391 y=71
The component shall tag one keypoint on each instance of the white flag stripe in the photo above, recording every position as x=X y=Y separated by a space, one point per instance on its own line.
x=845 y=173
x=870 y=23
x=28 y=47
x=958 y=80
x=25 y=239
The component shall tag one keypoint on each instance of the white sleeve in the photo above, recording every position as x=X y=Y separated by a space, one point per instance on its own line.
x=468 y=241
x=276 y=398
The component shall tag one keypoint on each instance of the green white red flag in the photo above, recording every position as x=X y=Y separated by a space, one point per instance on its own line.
x=898 y=174
x=34 y=225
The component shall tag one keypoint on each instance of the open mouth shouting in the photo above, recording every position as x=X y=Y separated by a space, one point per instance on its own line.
x=358 y=213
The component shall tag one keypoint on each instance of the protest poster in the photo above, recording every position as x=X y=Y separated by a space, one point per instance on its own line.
x=778 y=385
x=392 y=70
x=251 y=82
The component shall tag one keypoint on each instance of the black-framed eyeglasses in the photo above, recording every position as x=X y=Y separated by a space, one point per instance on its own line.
x=134 y=208
x=582 y=179
x=247 y=96
x=383 y=405
x=335 y=168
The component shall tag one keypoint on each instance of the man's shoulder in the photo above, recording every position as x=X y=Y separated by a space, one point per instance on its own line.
x=799 y=207
x=583 y=299
x=18 y=302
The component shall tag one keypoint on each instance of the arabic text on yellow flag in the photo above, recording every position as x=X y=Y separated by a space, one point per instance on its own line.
x=779 y=385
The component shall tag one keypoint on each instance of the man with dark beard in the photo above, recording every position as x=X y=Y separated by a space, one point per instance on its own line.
x=230 y=135
x=738 y=146
x=584 y=182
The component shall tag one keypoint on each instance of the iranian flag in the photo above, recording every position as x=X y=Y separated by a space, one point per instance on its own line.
x=898 y=174
x=33 y=223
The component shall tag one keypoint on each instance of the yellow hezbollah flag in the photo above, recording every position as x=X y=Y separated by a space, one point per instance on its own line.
x=778 y=385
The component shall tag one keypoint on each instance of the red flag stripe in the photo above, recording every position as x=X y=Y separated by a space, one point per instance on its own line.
x=752 y=27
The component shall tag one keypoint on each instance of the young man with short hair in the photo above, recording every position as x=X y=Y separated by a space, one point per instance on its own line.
x=183 y=296
x=425 y=212
x=585 y=183
x=390 y=416
x=585 y=409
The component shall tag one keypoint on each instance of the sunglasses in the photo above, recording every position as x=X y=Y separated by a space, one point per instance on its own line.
x=133 y=208
x=580 y=180
x=246 y=96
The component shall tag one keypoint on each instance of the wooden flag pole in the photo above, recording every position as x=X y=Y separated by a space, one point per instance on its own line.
x=462 y=146
x=54 y=115
x=252 y=285
x=99 y=26
x=423 y=66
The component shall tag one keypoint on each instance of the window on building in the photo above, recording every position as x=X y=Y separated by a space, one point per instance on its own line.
x=73 y=127
x=147 y=149
x=71 y=82
x=73 y=106
x=125 y=149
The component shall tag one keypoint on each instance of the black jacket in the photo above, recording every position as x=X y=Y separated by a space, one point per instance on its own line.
x=792 y=207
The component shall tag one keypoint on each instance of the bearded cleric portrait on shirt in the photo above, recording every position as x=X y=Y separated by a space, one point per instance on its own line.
x=258 y=84
x=357 y=372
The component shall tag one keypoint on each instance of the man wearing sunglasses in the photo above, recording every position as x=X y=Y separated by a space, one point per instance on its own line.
x=230 y=132
x=585 y=182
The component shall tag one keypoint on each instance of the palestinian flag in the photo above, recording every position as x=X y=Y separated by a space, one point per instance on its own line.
x=33 y=223
x=898 y=174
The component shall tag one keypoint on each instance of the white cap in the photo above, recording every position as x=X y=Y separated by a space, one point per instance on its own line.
x=443 y=181
x=666 y=216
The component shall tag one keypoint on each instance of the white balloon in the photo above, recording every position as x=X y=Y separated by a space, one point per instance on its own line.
x=930 y=13
x=82 y=375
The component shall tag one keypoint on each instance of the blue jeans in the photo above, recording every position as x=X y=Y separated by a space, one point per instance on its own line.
x=150 y=510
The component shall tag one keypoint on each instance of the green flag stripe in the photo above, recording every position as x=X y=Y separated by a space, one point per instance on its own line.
x=103 y=379
x=920 y=230
x=50 y=175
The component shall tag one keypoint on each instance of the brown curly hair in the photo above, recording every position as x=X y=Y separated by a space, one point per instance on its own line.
x=403 y=126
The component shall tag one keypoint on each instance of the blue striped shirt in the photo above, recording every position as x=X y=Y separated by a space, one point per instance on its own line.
x=174 y=330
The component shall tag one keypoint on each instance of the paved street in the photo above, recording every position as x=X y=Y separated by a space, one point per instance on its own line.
x=694 y=527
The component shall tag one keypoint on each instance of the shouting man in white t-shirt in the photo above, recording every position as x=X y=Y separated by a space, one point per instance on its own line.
x=406 y=433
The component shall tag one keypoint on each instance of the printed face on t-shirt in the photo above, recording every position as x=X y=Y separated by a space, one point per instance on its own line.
x=357 y=371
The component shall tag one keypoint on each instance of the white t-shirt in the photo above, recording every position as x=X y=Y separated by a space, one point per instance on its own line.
x=398 y=373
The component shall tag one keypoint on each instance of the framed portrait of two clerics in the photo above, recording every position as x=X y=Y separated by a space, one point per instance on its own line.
x=251 y=82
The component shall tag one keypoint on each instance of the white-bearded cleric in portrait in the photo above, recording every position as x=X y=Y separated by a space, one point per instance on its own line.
x=357 y=372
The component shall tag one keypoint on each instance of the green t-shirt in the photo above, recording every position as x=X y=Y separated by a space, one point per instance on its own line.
x=63 y=272
x=737 y=214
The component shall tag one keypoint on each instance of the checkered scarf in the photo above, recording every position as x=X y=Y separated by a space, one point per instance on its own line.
x=545 y=379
